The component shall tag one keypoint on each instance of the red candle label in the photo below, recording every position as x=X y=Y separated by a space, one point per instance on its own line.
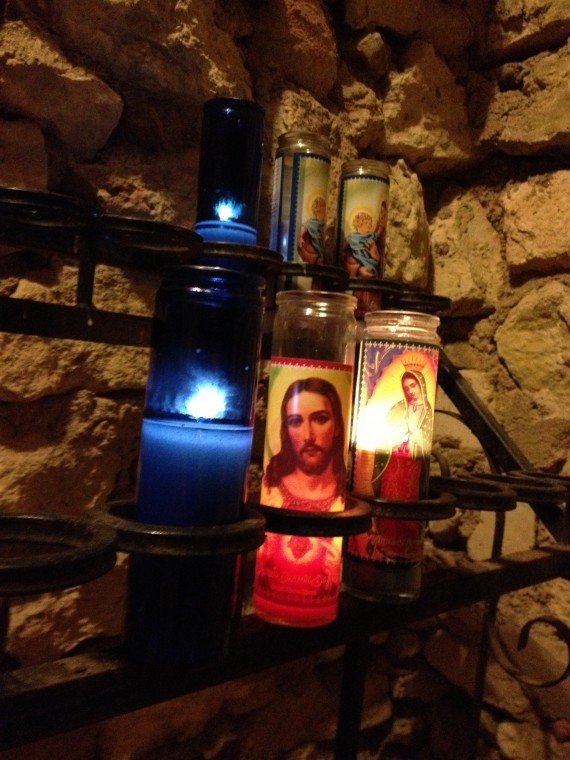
x=297 y=578
x=393 y=432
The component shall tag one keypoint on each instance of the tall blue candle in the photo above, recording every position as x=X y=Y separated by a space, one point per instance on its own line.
x=230 y=170
x=195 y=449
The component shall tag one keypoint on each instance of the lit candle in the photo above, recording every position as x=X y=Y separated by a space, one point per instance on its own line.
x=230 y=171
x=195 y=449
x=297 y=577
x=392 y=431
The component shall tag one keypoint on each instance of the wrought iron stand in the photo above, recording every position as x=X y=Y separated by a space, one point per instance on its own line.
x=68 y=693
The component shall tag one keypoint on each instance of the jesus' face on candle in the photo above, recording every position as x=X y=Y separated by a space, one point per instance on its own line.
x=311 y=427
x=310 y=465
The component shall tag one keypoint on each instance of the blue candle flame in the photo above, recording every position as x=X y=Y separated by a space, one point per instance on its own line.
x=209 y=402
x=227 y=210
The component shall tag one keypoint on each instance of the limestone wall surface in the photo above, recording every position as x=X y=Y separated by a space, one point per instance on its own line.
x=468 y=101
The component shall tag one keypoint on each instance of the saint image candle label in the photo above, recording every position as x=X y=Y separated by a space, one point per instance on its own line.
x=363 y=217
x=297 y=578
x=392 y=432
x=299 y=204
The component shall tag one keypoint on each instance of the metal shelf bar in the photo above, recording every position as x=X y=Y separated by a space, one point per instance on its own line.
x=42 y=701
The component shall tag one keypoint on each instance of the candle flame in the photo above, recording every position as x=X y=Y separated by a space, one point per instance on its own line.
x=227 y=210
x=208 y=402
x=373 y=430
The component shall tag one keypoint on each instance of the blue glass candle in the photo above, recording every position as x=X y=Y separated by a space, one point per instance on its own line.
x=230 y=170
x=195 y=449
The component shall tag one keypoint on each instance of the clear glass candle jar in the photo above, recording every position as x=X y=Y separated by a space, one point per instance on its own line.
x=391 y=443
x=297 y=578
x=300 y=190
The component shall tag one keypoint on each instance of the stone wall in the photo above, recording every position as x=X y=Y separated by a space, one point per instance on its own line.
x=468 y=101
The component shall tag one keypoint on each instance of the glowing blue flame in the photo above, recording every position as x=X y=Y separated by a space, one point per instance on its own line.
x=208 y=402
x=227 y=210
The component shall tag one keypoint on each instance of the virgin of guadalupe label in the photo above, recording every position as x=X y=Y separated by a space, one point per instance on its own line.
x=393 y=433
x=297 y=578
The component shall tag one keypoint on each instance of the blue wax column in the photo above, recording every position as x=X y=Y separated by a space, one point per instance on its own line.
x=191 y=473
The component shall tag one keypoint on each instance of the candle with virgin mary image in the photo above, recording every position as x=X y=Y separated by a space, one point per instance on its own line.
x=392 y=435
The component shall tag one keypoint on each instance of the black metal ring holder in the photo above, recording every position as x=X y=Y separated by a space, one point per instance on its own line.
x=42 y=221
x=354 y=519
x=81 y=549
x=379 y=286
x=440 y=504
x=480 y=494
x=293 y=275
x=499 y=492
x=181 y=541
x=48 y=552
x=199 y=564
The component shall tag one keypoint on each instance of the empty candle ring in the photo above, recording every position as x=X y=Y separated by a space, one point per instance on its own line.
x=558 y=478
x=322 y=276
x=477 y=493
x=41 y=220
x=530 y=487
x=416 y=300
x=143 y=243
x=440 y=505
x=355 y=519
x=75 y=550
x=187 y=541
x=377 y=286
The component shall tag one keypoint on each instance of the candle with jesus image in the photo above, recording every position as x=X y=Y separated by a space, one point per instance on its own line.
x=392 y=433
x=297 y=577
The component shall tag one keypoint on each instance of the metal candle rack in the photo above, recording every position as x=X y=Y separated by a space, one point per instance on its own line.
x=53 y=697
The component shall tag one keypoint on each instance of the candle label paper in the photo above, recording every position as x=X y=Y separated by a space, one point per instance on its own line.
x=363 y=217
x=301 y=206
x=392 y=429
x=306 y=446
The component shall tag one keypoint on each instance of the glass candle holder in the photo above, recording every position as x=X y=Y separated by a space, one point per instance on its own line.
x=392 y=436
x=299 y=203
x=195 y=449
x=230 y=170
x=297 y=578
x=362 y=225
x=197 y=423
